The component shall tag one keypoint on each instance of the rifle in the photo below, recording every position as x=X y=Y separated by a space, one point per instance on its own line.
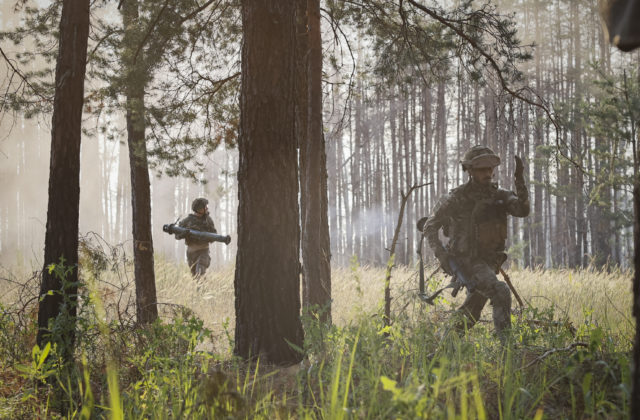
x=196 y=234
x=458 y=281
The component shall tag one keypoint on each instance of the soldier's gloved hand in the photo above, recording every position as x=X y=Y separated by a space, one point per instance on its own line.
x=443 y=257
x=519 y=172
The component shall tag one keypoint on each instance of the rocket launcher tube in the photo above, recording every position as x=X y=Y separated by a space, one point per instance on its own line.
x=196 y=234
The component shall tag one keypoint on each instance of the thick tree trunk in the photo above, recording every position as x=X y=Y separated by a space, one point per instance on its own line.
x=302 y=100
x=316 y=252
x=146 y=309
x=61 y=239
x=267 y=277
x=635 y=380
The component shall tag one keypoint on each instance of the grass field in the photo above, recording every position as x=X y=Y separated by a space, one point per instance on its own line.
x=568 y=355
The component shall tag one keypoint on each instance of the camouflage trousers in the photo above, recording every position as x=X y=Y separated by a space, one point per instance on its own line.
x=488 y=287
x=198 y=261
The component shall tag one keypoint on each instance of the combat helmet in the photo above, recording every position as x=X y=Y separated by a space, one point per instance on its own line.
x=480 y=157
x=199 y=203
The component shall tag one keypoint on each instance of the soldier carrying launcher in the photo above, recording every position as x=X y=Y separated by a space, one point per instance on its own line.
x=197 y=230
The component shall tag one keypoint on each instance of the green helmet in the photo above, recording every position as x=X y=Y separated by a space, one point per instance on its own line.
x=199 y=203
x=480 y=157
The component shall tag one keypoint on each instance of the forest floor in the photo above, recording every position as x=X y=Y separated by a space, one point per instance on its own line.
x=568 y=355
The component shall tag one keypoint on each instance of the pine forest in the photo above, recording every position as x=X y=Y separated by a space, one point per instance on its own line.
x=266 y=209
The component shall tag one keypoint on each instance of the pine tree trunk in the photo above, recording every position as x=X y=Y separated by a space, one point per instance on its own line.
x=526 y=234
x=61 y=239
x=124 y=179
x=333 y=166
x=302 y=104
x=146 y=309
x=267 y=277
x=316 y=245
x=441 y=139
x=538 y=232
x=635 y=380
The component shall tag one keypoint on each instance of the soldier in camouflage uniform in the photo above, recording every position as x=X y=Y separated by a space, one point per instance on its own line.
x=198 y=251
x=474 y=217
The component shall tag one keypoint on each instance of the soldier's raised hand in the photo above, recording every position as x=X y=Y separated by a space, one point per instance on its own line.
x=519 y=172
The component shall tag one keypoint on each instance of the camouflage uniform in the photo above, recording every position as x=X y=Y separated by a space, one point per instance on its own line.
x=198 y=251
x=474 y=217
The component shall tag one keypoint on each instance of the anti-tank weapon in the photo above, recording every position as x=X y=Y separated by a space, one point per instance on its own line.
x=181 y=232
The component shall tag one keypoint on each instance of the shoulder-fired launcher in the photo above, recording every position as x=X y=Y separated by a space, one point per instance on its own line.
x=181 y=232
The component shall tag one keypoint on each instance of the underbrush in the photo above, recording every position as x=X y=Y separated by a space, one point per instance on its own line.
x=558 y=362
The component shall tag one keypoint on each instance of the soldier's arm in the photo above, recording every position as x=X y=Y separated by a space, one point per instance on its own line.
x=518 y=203
x=433 y=225
x=183 y=224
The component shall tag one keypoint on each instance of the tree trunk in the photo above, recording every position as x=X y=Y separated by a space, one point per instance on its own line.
x=441 y=141
x=539 y=259
x=333 y=166
x=302 y=101
x=146 y=309
x=123 y=188
x=635 y=380
x=61 y=239
x=316 y=246
x=267 y=277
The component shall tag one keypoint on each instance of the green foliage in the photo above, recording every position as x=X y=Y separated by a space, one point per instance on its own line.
x=412 y=44
x=183 y=56
x=41 y=367
x=416 y=367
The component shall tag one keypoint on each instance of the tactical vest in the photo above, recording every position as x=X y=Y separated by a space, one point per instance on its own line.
x=478 y=224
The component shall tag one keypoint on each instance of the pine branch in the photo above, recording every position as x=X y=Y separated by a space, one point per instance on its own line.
x=24 y=78
x=451 y=24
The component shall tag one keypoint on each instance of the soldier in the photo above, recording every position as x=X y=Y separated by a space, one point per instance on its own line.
x=474 y=217
x=198 y=251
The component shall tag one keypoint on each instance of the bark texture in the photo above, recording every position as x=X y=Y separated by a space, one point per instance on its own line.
x=146 y=309
x=61 y=239
x=316 y=246
x=635 y=379
x=267 y=277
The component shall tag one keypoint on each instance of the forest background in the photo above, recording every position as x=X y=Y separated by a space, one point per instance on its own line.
x=403 y=98
x=388 y=125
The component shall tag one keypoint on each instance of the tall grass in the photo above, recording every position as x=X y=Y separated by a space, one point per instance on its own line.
x=567 y=355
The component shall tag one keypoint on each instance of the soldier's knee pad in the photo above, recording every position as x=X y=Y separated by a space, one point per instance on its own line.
x=502 y=293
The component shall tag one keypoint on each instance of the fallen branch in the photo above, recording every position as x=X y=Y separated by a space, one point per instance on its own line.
x=549 y=352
